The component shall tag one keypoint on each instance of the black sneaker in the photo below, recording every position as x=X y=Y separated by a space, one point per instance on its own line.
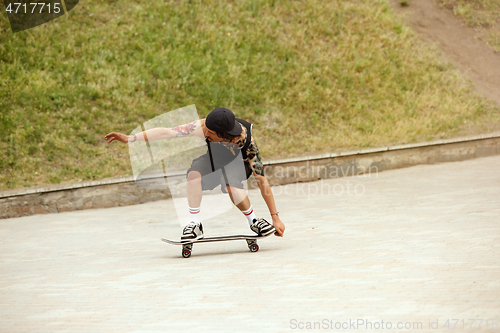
x=261 y=227
x=192 y=232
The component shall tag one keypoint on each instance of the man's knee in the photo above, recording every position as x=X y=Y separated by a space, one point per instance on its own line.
x=194 y=176
x=230 y=189
x=234 y=189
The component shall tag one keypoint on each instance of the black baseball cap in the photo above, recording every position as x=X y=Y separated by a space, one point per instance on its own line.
x=222 y=120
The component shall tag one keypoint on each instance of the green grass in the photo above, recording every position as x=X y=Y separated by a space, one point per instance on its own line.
x=484 y=15
x=314 y=76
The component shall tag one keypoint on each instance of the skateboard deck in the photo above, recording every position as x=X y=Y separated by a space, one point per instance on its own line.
x=188 y=245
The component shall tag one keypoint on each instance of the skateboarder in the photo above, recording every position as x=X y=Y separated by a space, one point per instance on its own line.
x=227 y=137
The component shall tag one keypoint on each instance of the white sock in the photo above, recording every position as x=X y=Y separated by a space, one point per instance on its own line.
x=194 y=214
x=250 y=215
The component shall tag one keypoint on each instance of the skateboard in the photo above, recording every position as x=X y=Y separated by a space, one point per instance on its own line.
x=187 y=246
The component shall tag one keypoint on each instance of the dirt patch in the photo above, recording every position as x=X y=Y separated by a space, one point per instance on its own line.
x=458 y=43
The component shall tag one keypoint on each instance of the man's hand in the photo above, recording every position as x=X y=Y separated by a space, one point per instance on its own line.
x=116 y=136
x=278 y=225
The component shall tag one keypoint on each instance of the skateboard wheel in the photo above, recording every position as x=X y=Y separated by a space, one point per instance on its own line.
x=186 y=253
x=253 y=247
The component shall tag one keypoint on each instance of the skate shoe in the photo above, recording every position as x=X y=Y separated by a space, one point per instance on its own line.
x=261 y=227
x=192 y=231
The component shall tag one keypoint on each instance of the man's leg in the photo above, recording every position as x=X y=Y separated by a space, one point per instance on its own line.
x=194 y=190
x=240 y=199
x=193 y=229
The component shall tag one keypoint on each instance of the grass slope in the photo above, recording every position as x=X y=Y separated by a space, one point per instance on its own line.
x=314 y=76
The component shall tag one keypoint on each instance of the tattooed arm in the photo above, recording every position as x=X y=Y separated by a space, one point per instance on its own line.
x=194 y=128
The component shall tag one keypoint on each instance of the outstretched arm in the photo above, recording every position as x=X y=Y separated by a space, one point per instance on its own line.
x=161 y=133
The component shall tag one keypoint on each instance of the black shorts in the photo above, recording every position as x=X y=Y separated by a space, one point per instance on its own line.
x=229 y=169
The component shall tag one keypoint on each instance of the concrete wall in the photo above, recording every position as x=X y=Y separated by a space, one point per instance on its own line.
x=377 y=160
x=124 y=191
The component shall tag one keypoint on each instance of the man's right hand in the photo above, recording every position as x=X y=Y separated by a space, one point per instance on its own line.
x=116 y=136
x=278 y=225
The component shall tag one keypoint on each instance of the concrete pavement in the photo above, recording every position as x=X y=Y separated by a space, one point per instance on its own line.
x=407 y=246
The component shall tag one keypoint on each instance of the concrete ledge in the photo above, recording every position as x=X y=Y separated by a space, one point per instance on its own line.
x=123 y=191
x=399 y=147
